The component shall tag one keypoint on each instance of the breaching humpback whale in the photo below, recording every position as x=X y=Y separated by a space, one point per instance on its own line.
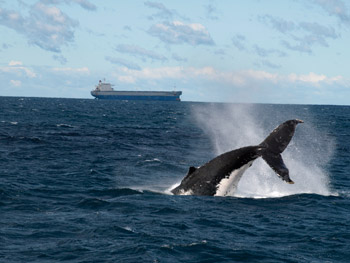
x=222 y=174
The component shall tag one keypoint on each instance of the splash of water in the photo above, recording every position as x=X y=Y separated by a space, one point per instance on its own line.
x=232 y=126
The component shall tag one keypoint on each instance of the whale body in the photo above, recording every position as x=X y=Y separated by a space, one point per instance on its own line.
x=221 y=175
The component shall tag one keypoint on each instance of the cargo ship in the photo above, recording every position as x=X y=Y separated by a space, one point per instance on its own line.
x=105 y=91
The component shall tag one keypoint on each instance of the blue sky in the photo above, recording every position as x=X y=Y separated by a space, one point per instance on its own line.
x=276 y=51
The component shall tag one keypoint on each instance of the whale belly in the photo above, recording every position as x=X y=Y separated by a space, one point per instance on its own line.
x=229 y=184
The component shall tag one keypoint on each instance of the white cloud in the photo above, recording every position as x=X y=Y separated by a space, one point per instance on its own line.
x=212 y=84
x=161 y=73
x=15 y=63
x=45 y=26
x=313 y=78
x=17 y=68
x=237 y=78
x=16 y=83
x=51 y=12
x=68 y=70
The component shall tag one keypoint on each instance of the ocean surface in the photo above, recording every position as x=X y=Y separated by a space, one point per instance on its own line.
x=90 y=180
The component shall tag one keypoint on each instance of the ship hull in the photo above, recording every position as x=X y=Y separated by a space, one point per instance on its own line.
x=141 y=95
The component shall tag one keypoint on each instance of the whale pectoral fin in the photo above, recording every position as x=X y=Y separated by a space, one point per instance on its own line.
x=275 y=161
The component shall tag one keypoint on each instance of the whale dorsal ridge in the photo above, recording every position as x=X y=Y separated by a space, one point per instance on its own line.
x=191 y=170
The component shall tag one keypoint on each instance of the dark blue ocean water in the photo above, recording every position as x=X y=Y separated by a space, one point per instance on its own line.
x=89 y=180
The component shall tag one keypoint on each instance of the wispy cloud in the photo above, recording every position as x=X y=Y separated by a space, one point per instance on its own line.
x=5 y=46
x=313 y=78
x=15 y=63
x=301 y=36
x=178 y=58
x=127 y=28
x=123 y=62
x=279 y=24
x=300 y=46
x=69 y=70
x=211 y=12
x=163 y=12
x=335 y=8
x=267 y=63
x=243 y=78
x=16 y=83
x=239 y=41
x=17 y=68
x=178 y=32
x=263 y=52
x=239 y=85
x=140 y=52
x=83 y=3
x=60 y=59
x=320 y=30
